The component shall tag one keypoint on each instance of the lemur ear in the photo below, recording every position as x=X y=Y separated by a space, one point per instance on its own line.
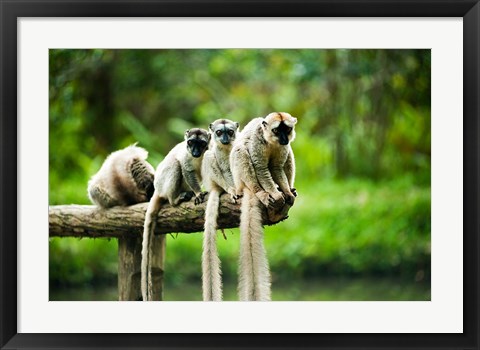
x=264 y=123
x=237 y=125
x=294 y=120
x=186 y=134
x=211 y=126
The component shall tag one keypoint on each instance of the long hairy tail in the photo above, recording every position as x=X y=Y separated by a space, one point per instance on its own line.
x=147 y=245
x=211 y=267
x=254 y=272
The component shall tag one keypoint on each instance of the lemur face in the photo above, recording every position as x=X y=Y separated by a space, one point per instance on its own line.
x=279 y=127
x=224 y=131
x=197 y=141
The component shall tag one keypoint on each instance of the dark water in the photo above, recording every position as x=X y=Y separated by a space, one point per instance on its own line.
x=325 y=289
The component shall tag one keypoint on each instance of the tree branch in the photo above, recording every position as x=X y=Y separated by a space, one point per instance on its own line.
x=91 y=221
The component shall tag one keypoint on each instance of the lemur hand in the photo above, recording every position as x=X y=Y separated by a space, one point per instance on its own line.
x=289 y=198
x=185 y=196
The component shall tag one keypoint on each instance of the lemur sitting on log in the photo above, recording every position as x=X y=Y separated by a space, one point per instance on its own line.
x=177 y=179
x=217 y=179
x=125 y=178
x=263 y=168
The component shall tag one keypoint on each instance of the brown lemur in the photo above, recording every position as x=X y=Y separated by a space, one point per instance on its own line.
x=125 y=178
x=177 y=179
x=263 y=169
x=217 y=179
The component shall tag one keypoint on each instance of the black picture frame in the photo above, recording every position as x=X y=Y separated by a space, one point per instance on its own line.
x=12 y=10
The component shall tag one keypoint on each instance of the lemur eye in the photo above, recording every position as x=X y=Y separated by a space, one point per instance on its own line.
x=230 y=132
x=189 y=142
x=289 y=129
x=275 y=130
x=218 y=132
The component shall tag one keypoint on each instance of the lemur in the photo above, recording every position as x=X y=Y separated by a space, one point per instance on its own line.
x=217 y=178
x=263 y=168
x=177 y=179
x=125 y=178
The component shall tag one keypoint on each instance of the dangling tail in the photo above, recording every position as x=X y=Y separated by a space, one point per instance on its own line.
x=147 y=243
x=211 y=270
x=254 y=273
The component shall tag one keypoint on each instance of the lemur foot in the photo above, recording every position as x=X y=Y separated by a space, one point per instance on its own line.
x=274 y=200
x=200 y=198
x=233 y=195
x=278 y=200
x=264 y=197
x=289 y=196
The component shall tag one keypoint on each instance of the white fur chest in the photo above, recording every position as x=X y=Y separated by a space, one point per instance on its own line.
x=197 y=165
x=278 y=153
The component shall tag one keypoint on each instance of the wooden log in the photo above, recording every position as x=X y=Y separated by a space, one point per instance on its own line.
x=91 y=221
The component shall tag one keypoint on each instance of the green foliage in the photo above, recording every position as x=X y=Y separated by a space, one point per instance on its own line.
x=362 y=149
x=76 y=261
x=353 y=227
x=370 y=109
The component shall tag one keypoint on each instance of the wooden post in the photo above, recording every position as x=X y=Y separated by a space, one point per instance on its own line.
x=129 y=262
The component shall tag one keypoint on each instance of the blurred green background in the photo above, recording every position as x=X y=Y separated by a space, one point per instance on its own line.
x=360 y=228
